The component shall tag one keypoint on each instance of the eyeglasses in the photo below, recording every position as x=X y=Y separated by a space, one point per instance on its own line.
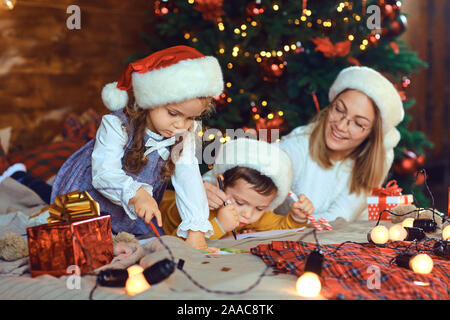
x=338 y=113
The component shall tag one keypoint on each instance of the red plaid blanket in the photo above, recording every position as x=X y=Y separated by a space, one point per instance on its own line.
x=348 y=272
x=44 y=161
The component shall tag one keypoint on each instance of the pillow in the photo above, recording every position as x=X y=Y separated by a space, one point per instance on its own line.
x=43 y=162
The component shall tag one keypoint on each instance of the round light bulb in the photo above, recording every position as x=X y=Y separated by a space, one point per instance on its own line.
x=446 y=233
x=136 y=282
x=308 y=285
x=408 y=223
x=397 y=233
x=422 y=263
x=379 y=235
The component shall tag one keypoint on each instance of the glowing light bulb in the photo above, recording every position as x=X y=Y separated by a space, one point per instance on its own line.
x=422 y=263
x=379 y=235
x=446 y=233
x=136 y=282
x=408 y=223
x=308 y=285
x=7 y=4
x=397 y=233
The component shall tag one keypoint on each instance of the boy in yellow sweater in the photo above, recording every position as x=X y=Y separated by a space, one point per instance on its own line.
x=257 y=177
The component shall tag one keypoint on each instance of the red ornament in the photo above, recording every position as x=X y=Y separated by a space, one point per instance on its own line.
x=210 y=9
x=405 y=82
x=163 y=7
x=276 y=122
x=254 y=8
x=221 y=101
x=420 y=178
x=396 y=27
x=273 y=68
x=390 y=9
x=409 y=164
x=420 y=161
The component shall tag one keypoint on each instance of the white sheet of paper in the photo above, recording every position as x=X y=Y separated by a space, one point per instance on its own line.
x=265 y=234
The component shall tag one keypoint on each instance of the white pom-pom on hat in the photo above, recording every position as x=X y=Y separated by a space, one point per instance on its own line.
x=113 y=97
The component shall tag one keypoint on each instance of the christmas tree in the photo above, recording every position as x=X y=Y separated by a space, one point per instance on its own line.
x=279 y=59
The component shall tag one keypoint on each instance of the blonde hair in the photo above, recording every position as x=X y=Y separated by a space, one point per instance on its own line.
x=369 y=157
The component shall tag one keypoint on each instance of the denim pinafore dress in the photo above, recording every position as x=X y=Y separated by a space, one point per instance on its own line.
x=76 y=174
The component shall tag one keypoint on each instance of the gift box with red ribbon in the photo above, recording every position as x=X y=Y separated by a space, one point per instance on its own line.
x=75 y=235
x=386 y=199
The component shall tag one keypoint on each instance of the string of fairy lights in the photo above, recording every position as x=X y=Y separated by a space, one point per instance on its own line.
x=241 y=30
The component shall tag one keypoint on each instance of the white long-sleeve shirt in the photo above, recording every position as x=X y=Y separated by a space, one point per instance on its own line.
x=107 y=172
x=328 y=189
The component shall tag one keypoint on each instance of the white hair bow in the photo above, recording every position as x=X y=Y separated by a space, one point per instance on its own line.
x=160 y=146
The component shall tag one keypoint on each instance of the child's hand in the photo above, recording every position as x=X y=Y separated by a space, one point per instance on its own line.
x=228 y=217
x=216 y=197
x=146 y=206
x=196 y=239
x=302 y=207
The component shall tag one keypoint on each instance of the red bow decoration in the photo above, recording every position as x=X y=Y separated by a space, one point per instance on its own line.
x=330 y=50
x=276 y=123
x=210 y=9
x=391 y=189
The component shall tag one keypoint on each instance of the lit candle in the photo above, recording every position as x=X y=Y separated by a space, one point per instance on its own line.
x=379 y=235
x=421 y=263
x=136 y=282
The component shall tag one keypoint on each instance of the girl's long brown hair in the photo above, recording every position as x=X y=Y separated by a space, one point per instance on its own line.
x=369 y=157
x=134 y=159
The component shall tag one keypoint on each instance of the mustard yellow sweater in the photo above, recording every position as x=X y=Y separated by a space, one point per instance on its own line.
x=268 y=221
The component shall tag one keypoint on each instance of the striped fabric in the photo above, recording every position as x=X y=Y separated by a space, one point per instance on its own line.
x=349 y=272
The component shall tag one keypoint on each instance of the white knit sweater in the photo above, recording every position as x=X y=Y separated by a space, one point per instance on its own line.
x=328 y=189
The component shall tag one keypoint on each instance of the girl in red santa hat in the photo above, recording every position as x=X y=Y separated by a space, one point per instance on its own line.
x=147 y=140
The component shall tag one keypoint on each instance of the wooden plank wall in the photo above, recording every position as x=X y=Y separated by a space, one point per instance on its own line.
x=427 y=34
x=47 y=70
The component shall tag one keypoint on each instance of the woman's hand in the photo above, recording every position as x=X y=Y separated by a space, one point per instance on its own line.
x=216 y=197
x=145 y=206
x=302 y=207
x=228 y=217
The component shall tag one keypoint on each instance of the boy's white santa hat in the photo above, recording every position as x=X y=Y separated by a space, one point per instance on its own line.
x=383 y=94
x=167 y=76
x=266 y=158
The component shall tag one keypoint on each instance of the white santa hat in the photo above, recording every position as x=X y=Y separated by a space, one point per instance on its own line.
x=266 y=158
x=383 y=94
x=171 y=75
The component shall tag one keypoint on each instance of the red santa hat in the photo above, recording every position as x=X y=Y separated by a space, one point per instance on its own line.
x=171 y=75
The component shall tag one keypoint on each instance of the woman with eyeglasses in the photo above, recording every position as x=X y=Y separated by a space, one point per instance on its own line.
x=345 y=151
